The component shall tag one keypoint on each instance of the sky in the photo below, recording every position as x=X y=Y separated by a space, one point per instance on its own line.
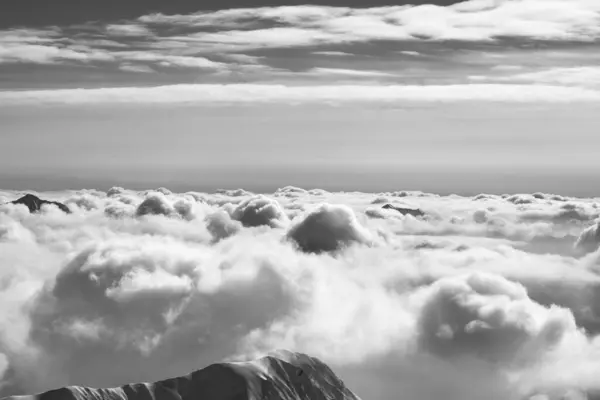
x=452 y=97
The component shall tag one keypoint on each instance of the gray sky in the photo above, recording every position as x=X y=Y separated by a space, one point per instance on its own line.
x=466 y=147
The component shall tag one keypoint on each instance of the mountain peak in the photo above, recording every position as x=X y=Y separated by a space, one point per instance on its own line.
x=281 y=375
x=34 y=203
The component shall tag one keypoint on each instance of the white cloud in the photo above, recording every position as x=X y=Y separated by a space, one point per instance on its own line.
x=265 y=93
x=411 y=53
x=350 y=72
x=128 y=30
x=589 y=240
x=588 y=76
x=419 y=305
x=475 y=20
x=490 y=317
x=272 y=37
x=507 y=67
x=258 y=211
x=168 y=60
x=333 y=53
x=328 y=228
x=47 y=54
x=158 y=41
x=136 y=68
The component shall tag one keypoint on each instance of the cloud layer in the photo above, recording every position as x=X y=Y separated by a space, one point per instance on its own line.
x=527 y=42
x=139 y=286
x=215 y=95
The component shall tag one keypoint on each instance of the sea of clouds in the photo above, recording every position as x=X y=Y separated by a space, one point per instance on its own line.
x=485 y=297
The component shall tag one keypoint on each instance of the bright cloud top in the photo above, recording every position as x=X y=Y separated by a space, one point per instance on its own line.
x=139 y=286
x=252 y=94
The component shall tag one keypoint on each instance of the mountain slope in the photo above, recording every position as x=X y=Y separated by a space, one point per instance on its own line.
x=34 y=203
x=280 y=376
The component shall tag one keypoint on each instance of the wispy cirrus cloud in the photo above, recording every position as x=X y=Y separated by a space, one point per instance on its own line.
x=136 y=68
x=474 y=20
x=43 y=54
x=166 y=60
x=423 y=44
x=128 y=30
x=350 y=72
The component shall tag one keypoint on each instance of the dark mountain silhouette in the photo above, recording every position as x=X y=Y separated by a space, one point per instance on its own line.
x=415 y=212
x=34 y=203
x=280 y=376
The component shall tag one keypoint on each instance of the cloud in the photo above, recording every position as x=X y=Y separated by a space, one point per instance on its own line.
x=258 y=211
x=454 y=305
x=290 y=191
x=248 y=42
x=265 y=93
x=589 y=240
x=490 y=317
x=24 y=35
x=577 y=76
x=411 y=53
x=3 y=365
x=333 y=53
x=168 y=60
x=128 y=30
x=115 y=190
x=328 y=228
x=136 y=68
x=221 y=226
x=46 y=54
x=157 y=203
x=85 y=201
x=349 y=72
x=474 y=20
x=242 y=58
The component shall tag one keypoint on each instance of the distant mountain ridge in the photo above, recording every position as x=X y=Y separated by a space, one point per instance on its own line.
x=34 y=203
x=282 y=375
x=415 y=212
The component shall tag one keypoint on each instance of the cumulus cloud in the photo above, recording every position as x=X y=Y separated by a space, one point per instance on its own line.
x=328 y=228
x=290 y=191
x=155 y=204
x=589 y=240
x=258 y=211
x=114 y=191
x=84 y=201
x=565 y=213
x=489 y=317
x=521 y=199
x=221 y=226
x=159 y=204
x=474 y=303
x=234 y=192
